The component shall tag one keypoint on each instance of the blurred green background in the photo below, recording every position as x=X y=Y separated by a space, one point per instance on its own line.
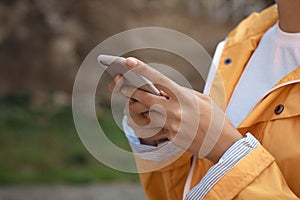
x=42 y=44
x=39 y=144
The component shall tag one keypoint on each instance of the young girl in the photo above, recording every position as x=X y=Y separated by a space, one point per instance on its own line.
x=257 y=85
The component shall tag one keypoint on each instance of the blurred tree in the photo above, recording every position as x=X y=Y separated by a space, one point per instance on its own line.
x=42 y=43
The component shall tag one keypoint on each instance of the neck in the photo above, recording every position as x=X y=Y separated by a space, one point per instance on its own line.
x=289 y=15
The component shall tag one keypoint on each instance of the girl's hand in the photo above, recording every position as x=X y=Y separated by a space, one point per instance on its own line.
x=137 y=117
x=191 y=120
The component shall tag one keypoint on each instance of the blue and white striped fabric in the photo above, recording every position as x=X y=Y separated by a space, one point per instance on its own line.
x=230 y=158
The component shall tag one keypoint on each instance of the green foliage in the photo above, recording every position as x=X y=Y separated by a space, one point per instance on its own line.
x=41 y=145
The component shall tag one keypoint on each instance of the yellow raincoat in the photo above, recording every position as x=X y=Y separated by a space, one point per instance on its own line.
x=270 y=171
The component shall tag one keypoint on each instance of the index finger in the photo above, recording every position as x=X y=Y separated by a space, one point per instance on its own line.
x=161 y=81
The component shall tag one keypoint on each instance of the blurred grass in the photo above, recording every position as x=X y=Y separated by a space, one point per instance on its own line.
x=39 y=144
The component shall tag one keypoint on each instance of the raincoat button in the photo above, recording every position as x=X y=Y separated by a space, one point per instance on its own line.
x=227 y=61
x=279 y=108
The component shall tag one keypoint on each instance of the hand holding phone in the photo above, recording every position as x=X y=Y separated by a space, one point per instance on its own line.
x=115 y=65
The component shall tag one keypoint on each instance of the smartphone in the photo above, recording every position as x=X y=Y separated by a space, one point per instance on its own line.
x=115 y=65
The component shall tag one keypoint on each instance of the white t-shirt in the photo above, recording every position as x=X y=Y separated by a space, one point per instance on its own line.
x=276 y=55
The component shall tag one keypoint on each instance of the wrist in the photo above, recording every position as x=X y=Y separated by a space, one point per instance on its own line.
x=229 y=136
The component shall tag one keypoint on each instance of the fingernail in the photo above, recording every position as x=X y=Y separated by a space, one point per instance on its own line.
x=162 y=93
x=131 y=62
